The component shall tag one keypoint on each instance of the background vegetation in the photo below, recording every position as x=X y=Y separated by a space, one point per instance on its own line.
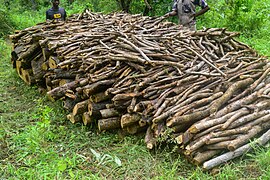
x=36 y=141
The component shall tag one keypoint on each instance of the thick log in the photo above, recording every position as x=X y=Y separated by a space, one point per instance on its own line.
x=46 y=54
x=109 y=123
x=184 y=138
x=254 y=85
x=63 y=82
x=99 y=97
x=80 y=107
x=96 y=87
x=186 y=120
x=129 y=119
x=53 y=62
x=27 y=55
x=249 y=118
x=220 y=139
x=218 y=146
x=208 y=123
x=19 y=69
x=198 y=144
x=231 y=132
x=237 y=104
x=60 y=91
x=124 y=97
x=25 y=74
x=234 y=117
x=204 y=156
x=69 y=104
x=94 y=109
x=107 y=113
x=28 y=76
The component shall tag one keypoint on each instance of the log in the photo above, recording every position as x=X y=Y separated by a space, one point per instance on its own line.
x=80 y=107
x=96 y=87
x=135 y=128
x=204 y=156
x=109 y=123
x=74 y=119
x=228 y=94
x=237 y=152
x=149 y=138
x=186 y=120
x=99 y=97
x=60 y=91
x=244 y=139
x=38 y=72
x=53 y=62
x=220 y=139
x=204 y=124
x=30 y=52
x=94 y=109
x=107 y=113
x=129 y=119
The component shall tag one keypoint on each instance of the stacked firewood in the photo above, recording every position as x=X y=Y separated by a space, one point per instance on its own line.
x=204 y=91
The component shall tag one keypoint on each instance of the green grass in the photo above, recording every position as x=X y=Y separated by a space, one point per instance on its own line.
x=37 y=142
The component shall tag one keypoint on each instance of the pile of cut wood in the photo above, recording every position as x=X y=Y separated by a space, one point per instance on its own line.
x=204 y=91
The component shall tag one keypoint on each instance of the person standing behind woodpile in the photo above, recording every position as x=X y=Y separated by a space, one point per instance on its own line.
x=186 y=11
x=56 y=13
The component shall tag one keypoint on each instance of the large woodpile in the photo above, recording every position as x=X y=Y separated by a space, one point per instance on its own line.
x=204 y=91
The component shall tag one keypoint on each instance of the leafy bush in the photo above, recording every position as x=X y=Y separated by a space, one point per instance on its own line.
x=6 y=24
x=23 y=5
x=245 y=16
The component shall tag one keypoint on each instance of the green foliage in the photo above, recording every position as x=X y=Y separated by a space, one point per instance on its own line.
x=6 y=23
x=24 y=5
x=77 y=7
x=246 y=16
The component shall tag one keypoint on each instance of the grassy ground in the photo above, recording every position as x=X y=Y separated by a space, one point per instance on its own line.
x=37 y=142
